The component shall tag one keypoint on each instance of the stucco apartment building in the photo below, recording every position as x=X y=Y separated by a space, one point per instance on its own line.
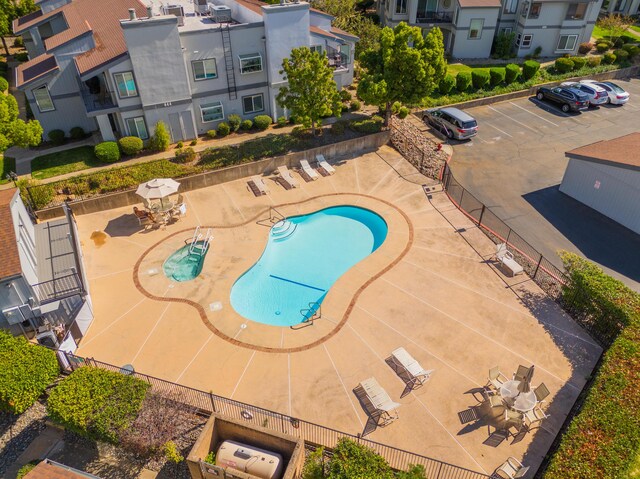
x=470 y=26
x=119 y=66
x=624 y=7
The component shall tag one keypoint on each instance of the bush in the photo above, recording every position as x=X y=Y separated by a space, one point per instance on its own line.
x=25 y=371
x=578 y=62
x=130 y=145
x=180 y=144
x=634 y=51
x=246 y=125
x=345 y=95
x=594 y=61
x=160 y=139
x=262 y=122
x=171 y=453
x=403 y=112
x=585 y=48
x=355 y=105
x=480 y=79
x=529 y=69
x=463 y=81
x=194 y=142
x=338 y=128
x=184 y=155
x=618 y=42
x=18 y=42
x=447 y=84
x=211 y=134
x=223 y=129
x=621 y=55
x=77 y=133
x=56 y=137
x=536 y=52
x=608 y=58
x=602 y=47
x=26 y=469
x=21 y=57
x=234 y=122
x=4 y=85
x=395 y=107
x=107 y=152
x=497 y=76
x=371 y=125
x=41 y=196
x=627 y=47
x=511 y=74
x=282 y=121
x=503 y=45
x=563 y=65
x=97 y=403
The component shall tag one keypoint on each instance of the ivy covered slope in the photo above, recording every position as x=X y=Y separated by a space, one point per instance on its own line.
x=603 y=441
x=25 y=371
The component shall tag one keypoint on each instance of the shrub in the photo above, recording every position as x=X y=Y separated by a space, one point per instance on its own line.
x=602 y=47
x=536 y=52
x=563 y=65
x=618 y=42
x=26 y=469
x=621 y=55
x=403 y=112
x=632 y=50
x=4 y=85
x=171 y=453
x=223 y=129
x=511 y=74
x=234 y=122
x=595 y=61
x=497 y=76
x=18 y=42
x=503 y=45
x=338 y=128
x=211 y=134
x=193 y=142
x=282 y=121
x=463 y=81
x=585 y=48
x=262 y=122
x=479 y=79
x=355 y=105
x=130 y=145
x=529 y=69
x=246 y=125
x=97 y=403
x=184 y=155
x=21 y=57
x=447 y=84
x=626 y=39
x=608 y=58
x=56 y=136
x=371 y=125
x=578 y=62
x=160 y=139
x=77 y=133
x=395 y=107
x=107 y=152
x=41 y=196
x=180 y=144
x=345 y=95
x=25 y=371
x=627 y=47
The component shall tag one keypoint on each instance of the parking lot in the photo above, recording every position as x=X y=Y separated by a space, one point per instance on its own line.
x=516 y=163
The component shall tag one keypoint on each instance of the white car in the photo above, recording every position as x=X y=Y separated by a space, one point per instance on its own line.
x=597 y=95
x=617 y=95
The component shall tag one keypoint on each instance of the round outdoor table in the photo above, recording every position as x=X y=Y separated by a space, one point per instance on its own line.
x=522 y=402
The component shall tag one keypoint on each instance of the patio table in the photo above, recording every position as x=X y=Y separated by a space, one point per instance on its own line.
x=516 y=400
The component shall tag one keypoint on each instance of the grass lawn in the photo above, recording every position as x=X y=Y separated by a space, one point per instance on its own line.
x=6 y=165
x=599 y=32
x=68 y=161
x=635 y=28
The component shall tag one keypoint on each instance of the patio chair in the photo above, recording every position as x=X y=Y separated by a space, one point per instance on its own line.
x=496 y=378
x=322 y=163
x=287 y=177
x=416 y=372
x=520 y=373
x=511 y=415
x=506 y=259
x=310 y=172
x=541 y=392
x=511 y=469
x=386 y=409
x=495 y=401
x=144 y=218
x=260 y=185
x=535 y=416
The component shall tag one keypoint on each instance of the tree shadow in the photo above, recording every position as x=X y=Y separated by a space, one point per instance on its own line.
x=18 y=443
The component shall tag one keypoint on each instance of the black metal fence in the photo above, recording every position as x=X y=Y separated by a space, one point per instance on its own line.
x=313 y=434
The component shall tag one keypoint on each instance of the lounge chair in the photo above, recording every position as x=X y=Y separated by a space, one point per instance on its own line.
x=505 y=257
x=310 y=172
x=144 y=218
x=511 y=469
x=322 y=163
x=496 y=378
x=260 y=185
x=386 y=409
x=287 y=177
x=541 y=392
x=403 y=359
x=520 y=374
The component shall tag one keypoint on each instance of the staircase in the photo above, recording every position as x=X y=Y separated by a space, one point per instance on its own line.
x=282 y=230
x=228 y=61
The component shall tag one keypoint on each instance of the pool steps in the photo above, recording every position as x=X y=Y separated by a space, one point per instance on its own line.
x=282 y=230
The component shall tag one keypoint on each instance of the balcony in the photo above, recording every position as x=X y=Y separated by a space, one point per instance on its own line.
x=95 y=102
x=58 y=288
x=434 y=17
x=337 y=60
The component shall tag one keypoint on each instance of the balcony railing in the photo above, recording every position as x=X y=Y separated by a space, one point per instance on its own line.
x=337 y=59
x=58 y=288
x=434 y=17
x=97 y=101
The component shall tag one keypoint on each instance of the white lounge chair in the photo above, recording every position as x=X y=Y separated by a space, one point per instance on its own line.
x=287 y=177
x=311 y=173
x=512 y=469
x=380 y=400
x=403 y=359
x=322 y=163
x=260 y=185
x=505 y=257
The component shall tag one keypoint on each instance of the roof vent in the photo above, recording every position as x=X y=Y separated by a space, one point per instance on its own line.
x=132 y=14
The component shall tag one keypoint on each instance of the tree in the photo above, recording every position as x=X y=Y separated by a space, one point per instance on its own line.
x=311 y=92
x=14 y=131
x=406 y=68
x=160 y=139
x=9 y=11
x=615 y=24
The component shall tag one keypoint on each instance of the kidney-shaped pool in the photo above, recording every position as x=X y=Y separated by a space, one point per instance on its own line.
x=304 y=256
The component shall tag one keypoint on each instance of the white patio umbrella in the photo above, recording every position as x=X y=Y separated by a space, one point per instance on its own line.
x=525 y=384
x=158 y=188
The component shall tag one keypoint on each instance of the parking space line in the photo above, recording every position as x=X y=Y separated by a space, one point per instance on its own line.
x=495 y=127
x=512 y=119
x=535 y=114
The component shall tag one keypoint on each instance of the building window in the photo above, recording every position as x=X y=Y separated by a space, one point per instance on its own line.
x=401 y=6
x=251 y=63
x=137 y=127
x=475 y=30
x=576 y=11
x=345 y=54
x=567 y=42
x=524 y=41
x=252 y=104
x=316 y=48
x=212 y=112
x=126 y=84
x=505 y=31
x=204 y=69
x=43 y=99
x=510 y=6
x=534 y=11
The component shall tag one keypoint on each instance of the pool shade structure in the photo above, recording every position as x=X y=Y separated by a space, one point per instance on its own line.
x=158 y=189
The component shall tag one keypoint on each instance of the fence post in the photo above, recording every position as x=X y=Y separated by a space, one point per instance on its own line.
x=213 y=404
x=439 y=470
x=537 y=267
x=481 y=215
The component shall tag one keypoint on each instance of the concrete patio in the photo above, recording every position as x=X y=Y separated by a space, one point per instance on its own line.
x=426 y=289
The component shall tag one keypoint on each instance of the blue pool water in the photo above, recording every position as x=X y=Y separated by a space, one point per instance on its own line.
x=304 y=256
x=185 y=265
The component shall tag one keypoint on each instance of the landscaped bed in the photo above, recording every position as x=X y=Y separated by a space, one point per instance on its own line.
x=68 y=161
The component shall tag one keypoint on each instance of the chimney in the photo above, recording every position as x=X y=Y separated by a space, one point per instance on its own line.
x=149 y=11
x=132 y=14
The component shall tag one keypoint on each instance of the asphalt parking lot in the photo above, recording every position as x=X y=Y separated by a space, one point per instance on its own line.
x=516 y=163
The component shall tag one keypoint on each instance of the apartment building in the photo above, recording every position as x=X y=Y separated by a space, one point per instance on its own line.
x=44 y=293
x=470 y=26
x=119 y=66
x=624 y=7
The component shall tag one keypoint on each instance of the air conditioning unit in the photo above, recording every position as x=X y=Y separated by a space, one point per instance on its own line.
x=220 y=13
x=176 y=10
x=200 y=7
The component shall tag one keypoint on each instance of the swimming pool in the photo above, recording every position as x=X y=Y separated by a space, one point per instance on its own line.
x=304 y=256
x=186 y=263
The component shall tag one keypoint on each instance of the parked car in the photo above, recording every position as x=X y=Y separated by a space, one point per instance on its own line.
x=597 y=95
x=616 y=94
x=452 y=122
x=570 y=99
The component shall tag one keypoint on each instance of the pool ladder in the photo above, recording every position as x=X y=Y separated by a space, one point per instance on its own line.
x=309 y=315
x=199 y=243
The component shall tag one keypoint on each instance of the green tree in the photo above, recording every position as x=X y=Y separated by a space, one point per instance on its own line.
x=160 y=139
x=311 y=92
x=9 y=11
x=615 y=24
x=406 y=68
x=14 y=131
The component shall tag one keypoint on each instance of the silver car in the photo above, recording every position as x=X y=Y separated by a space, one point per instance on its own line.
x=452 y=122
x=597 y=95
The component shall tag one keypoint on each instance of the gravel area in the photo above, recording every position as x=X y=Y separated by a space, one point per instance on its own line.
x=17 y=432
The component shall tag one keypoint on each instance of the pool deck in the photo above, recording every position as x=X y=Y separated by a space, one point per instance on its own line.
x=429 y=288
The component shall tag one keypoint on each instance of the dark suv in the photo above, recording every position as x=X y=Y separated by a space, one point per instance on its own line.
x=570 y=99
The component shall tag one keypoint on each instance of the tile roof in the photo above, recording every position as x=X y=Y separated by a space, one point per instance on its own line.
x=44 y=470
x=621 y=151
x=253 y=5
x=319 y=31
x=479 y=3
x=9 y=257
x=34 y=69
x=342 y=33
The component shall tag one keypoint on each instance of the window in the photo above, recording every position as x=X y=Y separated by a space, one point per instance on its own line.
x=204 y=69
x=576 y=11
x=401 y=6
x=316 y=48
x=137 y=127
x=475 y=30
x=251 y=63
x=524 y=41
x=212 y=111
x=505 y=31
x=126 y=84
x=534 y=11
x=345 y=54
x=510 y=6
x=567 y=42
x=252 y=103
x=43 y=99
